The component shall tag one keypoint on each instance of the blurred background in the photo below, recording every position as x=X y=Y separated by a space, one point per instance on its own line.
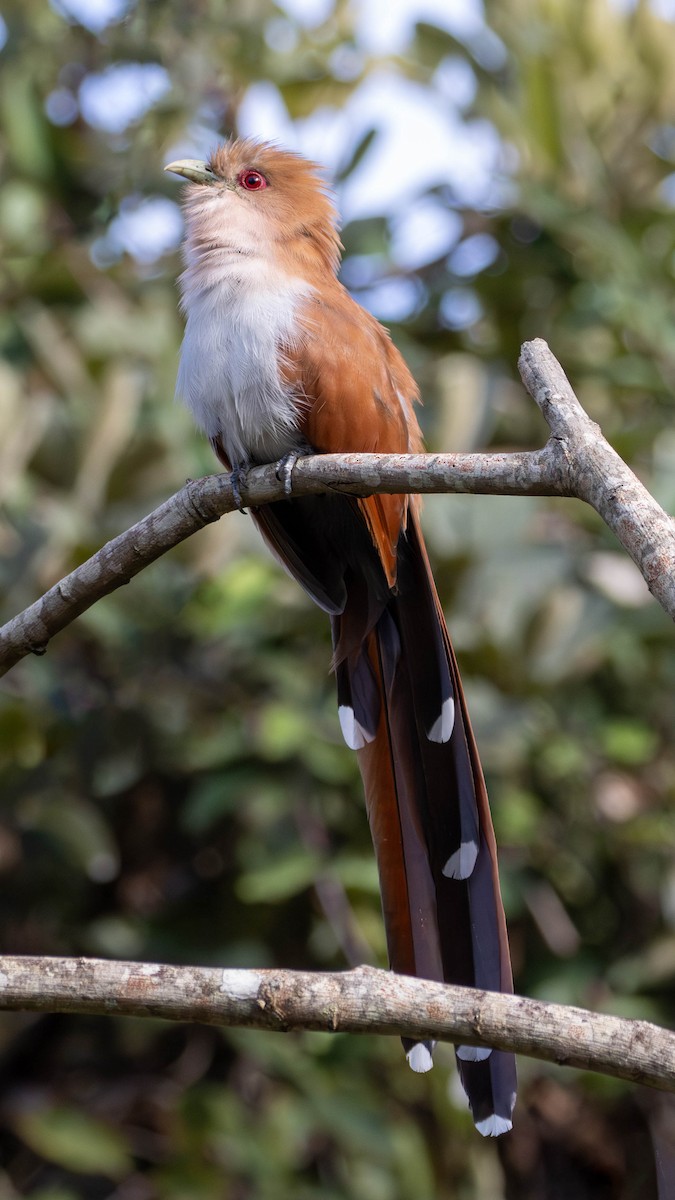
x=174 y=786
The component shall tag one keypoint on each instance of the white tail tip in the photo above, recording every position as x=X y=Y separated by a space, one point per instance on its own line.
x=419 y=1058
x=354 y=734
x=494 y=1126
x=441 y=730
x=462 y=862
x=473 y=1053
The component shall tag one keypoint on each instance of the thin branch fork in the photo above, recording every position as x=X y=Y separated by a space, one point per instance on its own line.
x=576 y=461
x=364 y=1000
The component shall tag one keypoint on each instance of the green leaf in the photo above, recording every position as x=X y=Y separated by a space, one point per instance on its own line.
x=77 y=1142
x=629 y=742
x=356 y=872
x=278 y=880
x=282 y=732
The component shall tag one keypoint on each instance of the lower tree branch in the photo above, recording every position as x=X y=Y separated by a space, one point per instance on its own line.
x=364 y=1000
x=576 y=461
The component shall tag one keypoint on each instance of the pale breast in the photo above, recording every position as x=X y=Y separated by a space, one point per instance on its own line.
x=229 y=376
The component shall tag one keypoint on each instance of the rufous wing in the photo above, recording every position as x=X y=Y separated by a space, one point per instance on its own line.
x=356 y=395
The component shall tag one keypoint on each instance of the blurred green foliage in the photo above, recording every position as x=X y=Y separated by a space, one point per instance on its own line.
x=173 y=782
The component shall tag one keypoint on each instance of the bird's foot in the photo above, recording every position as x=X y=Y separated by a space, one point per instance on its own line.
x=237 y=477
x=284 y=471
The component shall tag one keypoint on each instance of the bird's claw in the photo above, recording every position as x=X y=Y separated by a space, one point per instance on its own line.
x=237 y=477
x=284 y=471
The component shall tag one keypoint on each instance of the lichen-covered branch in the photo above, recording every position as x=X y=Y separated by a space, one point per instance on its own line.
x=364 y=1000
x=576 y=461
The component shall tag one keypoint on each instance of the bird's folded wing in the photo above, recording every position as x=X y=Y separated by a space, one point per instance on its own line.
x=356 y=396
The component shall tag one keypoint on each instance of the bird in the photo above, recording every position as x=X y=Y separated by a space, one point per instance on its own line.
x=278 y=361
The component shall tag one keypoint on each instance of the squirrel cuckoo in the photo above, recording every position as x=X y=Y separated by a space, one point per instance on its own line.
x=277 y=361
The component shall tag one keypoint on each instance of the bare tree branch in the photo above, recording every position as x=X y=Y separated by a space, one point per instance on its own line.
x=203 y=501
x=364 y=1000
x=600 y=477
x=576 y=461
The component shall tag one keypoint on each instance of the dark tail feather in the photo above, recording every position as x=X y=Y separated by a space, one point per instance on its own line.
x=429 y=814
x=391 y=784
x=402 y=709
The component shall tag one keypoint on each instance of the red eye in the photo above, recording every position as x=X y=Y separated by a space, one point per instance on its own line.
x=253 y=181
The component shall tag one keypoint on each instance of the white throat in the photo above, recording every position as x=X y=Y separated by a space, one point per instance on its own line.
x=241 y=313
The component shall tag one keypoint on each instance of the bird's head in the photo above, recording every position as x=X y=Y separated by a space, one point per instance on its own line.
x=264 y=195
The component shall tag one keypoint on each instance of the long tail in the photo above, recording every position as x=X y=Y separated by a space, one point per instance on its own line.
x=402 y=709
